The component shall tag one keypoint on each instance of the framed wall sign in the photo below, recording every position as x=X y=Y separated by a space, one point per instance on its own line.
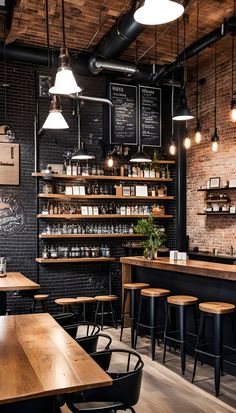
x=123 y=125
x=214 y=182
x=9 y=164
x=149 y=116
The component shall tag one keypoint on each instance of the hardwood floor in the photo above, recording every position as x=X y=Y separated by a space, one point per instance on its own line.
x=164 y=390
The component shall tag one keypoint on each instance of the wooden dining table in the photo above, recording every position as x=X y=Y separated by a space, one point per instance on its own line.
x=38 y=359
x=11 y=282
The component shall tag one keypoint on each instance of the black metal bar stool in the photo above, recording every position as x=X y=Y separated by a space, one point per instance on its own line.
x=40 y=299
x=66 y=303
x=131 y=290
x=181 y=303
x=103 y=300
x=84 y=301
x=217 y=311
x=154 y=296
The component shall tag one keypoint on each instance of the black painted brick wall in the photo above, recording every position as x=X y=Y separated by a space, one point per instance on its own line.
x=20 y=248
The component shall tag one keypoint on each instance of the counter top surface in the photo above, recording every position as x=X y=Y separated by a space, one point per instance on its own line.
x=193 y=267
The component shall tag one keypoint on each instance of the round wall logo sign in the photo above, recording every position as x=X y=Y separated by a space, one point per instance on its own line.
x=11 y=215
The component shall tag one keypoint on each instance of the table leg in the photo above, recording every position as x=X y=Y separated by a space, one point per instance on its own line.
x=3 y=302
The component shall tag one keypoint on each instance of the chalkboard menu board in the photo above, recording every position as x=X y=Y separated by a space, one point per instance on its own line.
x=150 y=116
x=123 y=115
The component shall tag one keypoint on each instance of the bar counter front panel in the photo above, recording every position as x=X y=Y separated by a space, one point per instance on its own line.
x=206 y=280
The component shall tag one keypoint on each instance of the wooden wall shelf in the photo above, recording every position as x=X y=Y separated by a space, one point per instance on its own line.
x=60 y=236
x=99 y=177
x=79 y=216
x=215 y=213
x=64 y=197
x=216 y=189
x=71 y=260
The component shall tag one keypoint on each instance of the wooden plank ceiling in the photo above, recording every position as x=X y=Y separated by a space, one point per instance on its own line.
x=86 y=22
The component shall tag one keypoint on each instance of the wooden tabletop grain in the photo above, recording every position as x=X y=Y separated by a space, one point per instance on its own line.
x=193 y=267
x=16 y=281
x=38 y=358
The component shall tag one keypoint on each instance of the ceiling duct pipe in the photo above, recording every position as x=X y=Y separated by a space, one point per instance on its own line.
x=119 y=37
x=192 y=50
x=97 y=64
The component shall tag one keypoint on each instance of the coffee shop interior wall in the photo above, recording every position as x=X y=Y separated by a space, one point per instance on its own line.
x=20 y=248
x=208 y=232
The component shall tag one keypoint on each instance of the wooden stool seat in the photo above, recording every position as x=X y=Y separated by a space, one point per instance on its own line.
x=217 y=307
x=66 y=301
x=182 y=299
x=82 y=300
x=41 y=297
x=155 y=292
x=136 y=286
x=106 y=298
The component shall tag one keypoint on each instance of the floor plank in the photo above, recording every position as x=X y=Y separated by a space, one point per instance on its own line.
x=164 y=390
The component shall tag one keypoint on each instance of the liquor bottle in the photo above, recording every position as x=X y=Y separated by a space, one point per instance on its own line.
x=74 y=169
x=68 y=168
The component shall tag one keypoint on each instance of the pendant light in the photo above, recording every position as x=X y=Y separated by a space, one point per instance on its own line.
x=215 y=137
x=65 y=83
x=187 y=140
x=182 y=112
x=172 y=147
x=81 y=153
x=233 y=101
x=198 y=129
x=140 y=156
x=158 y=12
x=55 y=119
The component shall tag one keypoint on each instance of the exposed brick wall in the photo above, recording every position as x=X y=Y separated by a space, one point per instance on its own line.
x=211 y=232
x=20 y=249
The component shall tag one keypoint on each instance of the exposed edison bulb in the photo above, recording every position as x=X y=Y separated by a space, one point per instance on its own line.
x=233 y=114
x=110 y=162
x=172 y=149
x=187 y=142
x=198 y=136
x=214 y=146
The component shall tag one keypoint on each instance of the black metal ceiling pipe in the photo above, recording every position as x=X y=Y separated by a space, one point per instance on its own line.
x=119 y=37
x=195 y=48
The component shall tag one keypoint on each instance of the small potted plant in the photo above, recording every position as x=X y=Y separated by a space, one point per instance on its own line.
x=155 y=237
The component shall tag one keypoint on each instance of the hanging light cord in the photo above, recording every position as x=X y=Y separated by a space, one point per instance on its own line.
x=47 y=30
x=5 y=75
x=232 y=57
x=184 y=49
x=197 y=65
x=63 y=22
x=215 y=85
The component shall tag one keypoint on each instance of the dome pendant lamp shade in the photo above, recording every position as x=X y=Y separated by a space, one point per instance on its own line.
x=140 y=156
x=65 y=83
x=81 y=154
x=182 y=112
x=158 y=12
x=55 y=119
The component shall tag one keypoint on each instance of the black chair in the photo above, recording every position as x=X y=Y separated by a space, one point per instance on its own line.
x=122 y=395
x=37 y=405
x=64 y=319
x=82 y=329
x=90 y=343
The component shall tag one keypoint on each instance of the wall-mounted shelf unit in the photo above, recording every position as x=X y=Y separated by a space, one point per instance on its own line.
x=65 y=236
x=215 y=213
x=217 y=189
x=70 y=260
x=79 y=216
x=57 y=199
x=99 y=177
x=67 y=197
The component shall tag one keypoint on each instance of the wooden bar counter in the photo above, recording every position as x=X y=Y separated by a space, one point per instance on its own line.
x=194 y=267
x=209 y=281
